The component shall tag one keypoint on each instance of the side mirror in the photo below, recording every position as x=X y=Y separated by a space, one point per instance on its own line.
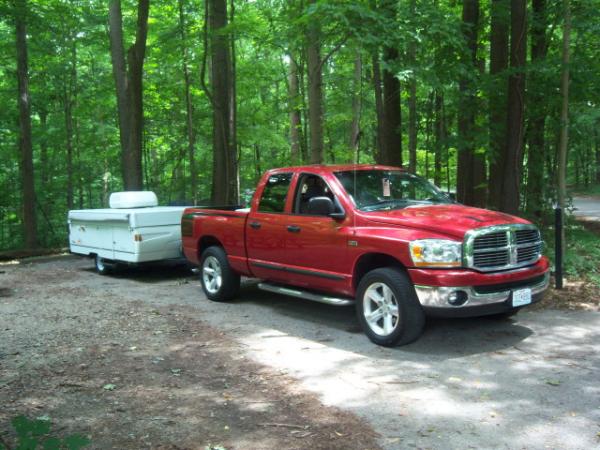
x=320 y=206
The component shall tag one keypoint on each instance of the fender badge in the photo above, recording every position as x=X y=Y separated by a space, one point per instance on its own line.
x=353 y=243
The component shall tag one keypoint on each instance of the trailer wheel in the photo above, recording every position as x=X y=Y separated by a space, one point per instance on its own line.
x=219 y=282
x=103 y=266
x=388 y=308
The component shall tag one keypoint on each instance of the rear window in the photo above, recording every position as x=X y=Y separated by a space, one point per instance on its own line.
x=275 y=193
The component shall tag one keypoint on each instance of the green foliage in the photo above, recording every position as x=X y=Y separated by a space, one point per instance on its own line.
x=582 y=251
x=35 y=434
x=72 y=34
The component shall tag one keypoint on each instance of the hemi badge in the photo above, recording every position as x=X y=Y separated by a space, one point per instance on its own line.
x=353 y=243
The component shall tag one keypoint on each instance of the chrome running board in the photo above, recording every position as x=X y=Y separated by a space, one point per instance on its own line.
x=293 y=292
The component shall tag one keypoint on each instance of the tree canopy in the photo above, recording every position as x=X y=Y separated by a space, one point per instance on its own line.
x=466 y=93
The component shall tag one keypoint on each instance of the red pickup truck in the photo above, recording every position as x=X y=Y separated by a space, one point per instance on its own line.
x=378 y=237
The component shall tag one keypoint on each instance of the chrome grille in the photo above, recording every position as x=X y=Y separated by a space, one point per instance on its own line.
x=502 y=247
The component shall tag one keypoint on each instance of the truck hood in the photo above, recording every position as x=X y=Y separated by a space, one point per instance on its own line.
x=451 y=220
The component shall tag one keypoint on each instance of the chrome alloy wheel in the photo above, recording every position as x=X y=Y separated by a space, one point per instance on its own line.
x=211 y=274
x=380 y=309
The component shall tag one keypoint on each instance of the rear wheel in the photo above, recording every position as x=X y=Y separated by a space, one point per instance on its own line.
x=103 y=266
x=388 y=308
x=219 y=282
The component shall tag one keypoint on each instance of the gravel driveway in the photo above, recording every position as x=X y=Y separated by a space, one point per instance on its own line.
x=533 y=382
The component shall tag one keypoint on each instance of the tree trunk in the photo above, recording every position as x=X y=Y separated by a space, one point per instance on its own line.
x=380 y=150
x=119 y=67
x=69 y=89
x=470 y=170
x=537 y=111
x=224 y=188
x=295 y=108
x=497 y=113
x=439 y=138
x=44 y=162
x=315 y=89
x=233 y=171
x=189 y=107
x=564 y=114
x=356 y=103
x=392 y=133
x=516 y=95
x=128 y=82
x=25 y=143
x=597 y=145
x=412 y=97
x=135 y=59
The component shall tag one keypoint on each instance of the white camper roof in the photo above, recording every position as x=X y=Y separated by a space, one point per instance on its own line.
x=132 y=199
x=137 y=217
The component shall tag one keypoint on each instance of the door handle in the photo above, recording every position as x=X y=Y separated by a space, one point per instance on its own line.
x=293 y=228
x=255 y=225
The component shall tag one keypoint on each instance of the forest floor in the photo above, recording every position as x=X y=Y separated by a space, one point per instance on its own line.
x=79 y=350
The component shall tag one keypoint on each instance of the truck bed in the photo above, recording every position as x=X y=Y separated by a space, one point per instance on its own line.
x=227 y=224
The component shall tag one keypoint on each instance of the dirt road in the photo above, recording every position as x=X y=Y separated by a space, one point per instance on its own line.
x=587 y=207
x=529 y=383
x=128 y=362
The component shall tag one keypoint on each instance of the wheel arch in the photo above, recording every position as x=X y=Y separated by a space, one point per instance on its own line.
x=371 y=261
x=207 y=241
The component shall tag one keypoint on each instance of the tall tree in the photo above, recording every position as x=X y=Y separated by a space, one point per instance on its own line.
x=129 y=86
x=537 y=110
x=500 y=12
x=471 y=168
x=189 y=107
x=509 y=200
x=380 y=142
x=294 y=110
x=564 y=114
x=225 y=180
x=69 y=99
x=356 y=103
x=392 y=115
x=315 y=89
x=412 y=94
x=25 y=142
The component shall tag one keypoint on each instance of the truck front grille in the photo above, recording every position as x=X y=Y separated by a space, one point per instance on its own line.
x=502 y=247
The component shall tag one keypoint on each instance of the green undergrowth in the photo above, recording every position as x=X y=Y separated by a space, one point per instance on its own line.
x=593 y=189
x=35 y=434
x=582 y=254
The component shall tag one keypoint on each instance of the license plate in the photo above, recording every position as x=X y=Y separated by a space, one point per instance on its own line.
x=521 y=297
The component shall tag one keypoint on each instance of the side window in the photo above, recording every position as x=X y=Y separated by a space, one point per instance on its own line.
x=310 y=186
x=275 y=193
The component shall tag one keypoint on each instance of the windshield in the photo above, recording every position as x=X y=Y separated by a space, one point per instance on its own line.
x=373 y=190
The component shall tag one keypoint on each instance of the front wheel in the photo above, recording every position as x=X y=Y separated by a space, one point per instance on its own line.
x=388 y=308
x=219 y=282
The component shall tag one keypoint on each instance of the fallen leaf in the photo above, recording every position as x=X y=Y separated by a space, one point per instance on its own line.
x=109 y=387
x=553 y=382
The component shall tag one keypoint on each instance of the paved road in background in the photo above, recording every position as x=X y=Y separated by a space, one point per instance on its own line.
x=588 y=207
x=528 y=383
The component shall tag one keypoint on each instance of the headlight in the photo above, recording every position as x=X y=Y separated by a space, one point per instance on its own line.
x=436 y=253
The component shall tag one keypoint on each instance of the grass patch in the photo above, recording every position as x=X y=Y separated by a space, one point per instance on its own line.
x=582 y=258
x=593 y=189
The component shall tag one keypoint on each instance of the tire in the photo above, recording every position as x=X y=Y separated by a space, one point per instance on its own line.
x=402 y=319
x=103 y=266
x=219 y=282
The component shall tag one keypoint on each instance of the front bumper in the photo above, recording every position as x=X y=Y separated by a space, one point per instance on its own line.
x=478 y=300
